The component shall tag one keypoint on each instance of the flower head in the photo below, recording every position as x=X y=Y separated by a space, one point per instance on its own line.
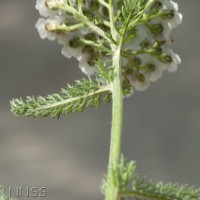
x=146 y=53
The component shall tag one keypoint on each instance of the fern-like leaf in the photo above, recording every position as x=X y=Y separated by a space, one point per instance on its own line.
x=74 y=98
x=71 y=99
x=134 y=187
x=147 y=190
x=131 y=10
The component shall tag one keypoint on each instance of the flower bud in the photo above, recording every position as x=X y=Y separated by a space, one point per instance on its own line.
x=164 y=58
x=155 y=8
x=87 y=49
x=51 y=27
x=90 y=36
x=157 y=51
x=92 y=59
x=75 y=42
x=150 y=67
x=168 y=14
x=158 y=44
x=51 y=4
x=137 y=61
x=145 y=43
x=140 y=77
x=156 y=29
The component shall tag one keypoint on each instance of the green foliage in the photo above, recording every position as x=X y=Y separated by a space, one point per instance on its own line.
x=97 y=45
x=131 y=10
x=74 y=98
x=90 y=93
x=71 y=99
x=4 y=197
x=133 y=186
x=161 y=191
x=105 y=73
x=124 y=174
x=130 y=13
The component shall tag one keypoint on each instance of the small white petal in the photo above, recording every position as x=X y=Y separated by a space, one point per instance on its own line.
x=67 y=50
x=43 y=32
x=84 y=66
x=174 y=5
x=44 y=10
x=176 y=59
x=156 y=74
x=41 y=7
x=172 y=67
x=137 y=84
x=40 y=25
x=141 y=85
x=165 y=35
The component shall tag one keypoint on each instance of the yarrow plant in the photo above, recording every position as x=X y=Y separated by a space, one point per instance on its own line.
x=122 y=46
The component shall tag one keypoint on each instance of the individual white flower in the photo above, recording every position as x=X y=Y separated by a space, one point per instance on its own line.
x=166 y=32
x=140 y=82
x=141 y=85
x=156 y=73
x=152 y=67
x=69 y=51
x=176 y=20
x=173 y=60
x=177 y=17
x=142 y=34
x=41 y=25
x=63 y=38
x=84 y=65
x=41 y=6
x=71 y=46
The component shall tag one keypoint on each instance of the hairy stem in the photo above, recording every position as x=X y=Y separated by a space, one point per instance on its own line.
x=112 y=19
x=78 y=15
x=116 y=131
x=117 y=113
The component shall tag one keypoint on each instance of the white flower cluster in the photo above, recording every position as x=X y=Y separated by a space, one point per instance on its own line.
x=145 y=56
x=150 y=46
x=61 y=26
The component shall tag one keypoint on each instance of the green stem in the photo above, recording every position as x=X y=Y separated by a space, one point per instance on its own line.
x=116 y=131
x=112 y=19
x=102 y=2
x=79 y=16
x=112 y=190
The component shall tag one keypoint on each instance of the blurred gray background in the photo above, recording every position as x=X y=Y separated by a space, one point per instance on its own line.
x=69 y=157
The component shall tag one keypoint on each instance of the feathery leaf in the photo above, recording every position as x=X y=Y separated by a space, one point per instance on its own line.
x=71 y=99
